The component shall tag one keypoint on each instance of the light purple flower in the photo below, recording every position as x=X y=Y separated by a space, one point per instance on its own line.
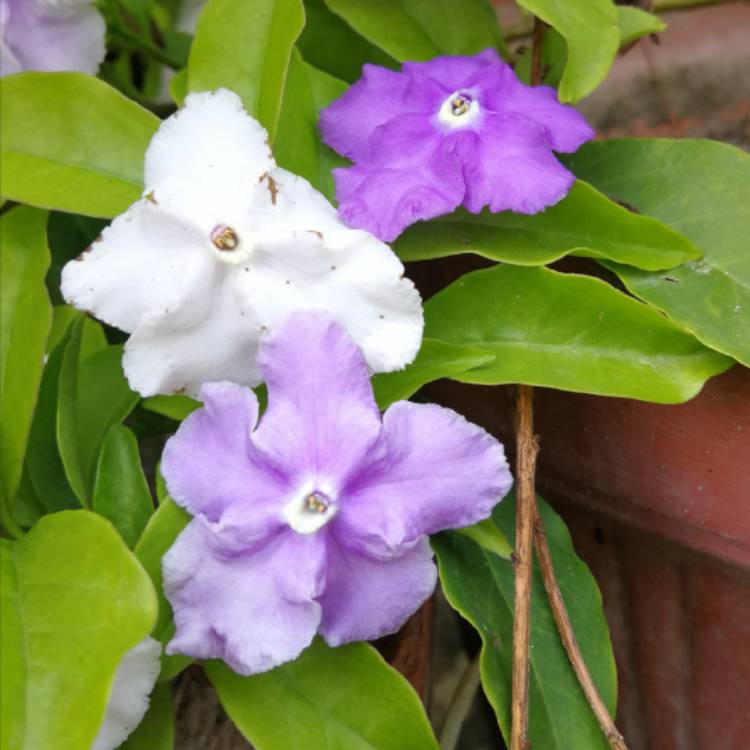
x=448 y=132
x=50 y=35
x=317 y=519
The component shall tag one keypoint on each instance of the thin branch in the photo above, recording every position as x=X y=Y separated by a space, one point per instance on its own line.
x=460 y=704
x=569 y=641
x=527 y=450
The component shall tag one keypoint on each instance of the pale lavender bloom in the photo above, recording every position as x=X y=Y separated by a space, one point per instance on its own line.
x=317 y=519
x=50 y=35
x=448 y=132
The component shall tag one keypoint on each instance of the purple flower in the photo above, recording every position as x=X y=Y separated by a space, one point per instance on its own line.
x=50 y=35
x=451 y=131
x=317 y=519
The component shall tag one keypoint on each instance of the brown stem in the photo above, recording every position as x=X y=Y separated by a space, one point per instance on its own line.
x=536 y=52
x=569 y=641
x=527 y=449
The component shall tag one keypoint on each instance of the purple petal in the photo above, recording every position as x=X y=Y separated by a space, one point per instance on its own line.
x=502 y=93
x=256 y=609
x=54 y=38
x=366 y=598
x=321 y=418
x=514 y=167
x=212 y=468
x=432 y=470
x=452 y=72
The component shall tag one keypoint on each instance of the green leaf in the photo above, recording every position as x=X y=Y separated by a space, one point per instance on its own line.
x=74 y=600
x=635 y=23
x=331 y=45
x=345 y=698
x=84 y=153
x=435 y=360
x=25 y=320
x=175 y=407
x=121 y=493
x=584 y=223
x=160 y=533
x=700 y=189
x=298 y=147
x=156 y=731
x=479 y=585
x=489 y=537
x=593 y=36
x=178 y=87
x=423 y=29
x=570 y=332
x=245 y=45
x=44 y=472
x=94 y=396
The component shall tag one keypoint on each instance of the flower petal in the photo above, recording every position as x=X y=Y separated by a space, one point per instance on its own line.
x=347 y=273
x=514 y=167
x=503 y=93
x=144 y=262
x=432 y=470
x=56 y=39
x=207 y=160
x=253 y=610
x=130 y=695
x=212 y=467
x=453 y=72
x=366 y=598
x=321 y=418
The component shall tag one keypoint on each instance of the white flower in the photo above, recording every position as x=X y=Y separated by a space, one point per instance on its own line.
x=223 y=246
x=129 y=697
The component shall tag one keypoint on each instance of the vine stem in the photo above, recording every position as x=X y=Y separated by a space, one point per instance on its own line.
x=526 y=452
x=569 y=641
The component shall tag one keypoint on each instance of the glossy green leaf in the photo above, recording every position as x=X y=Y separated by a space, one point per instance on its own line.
x=175 y=407
x=700 y=189
x=156 y=731
x=74 y=600
x=423 y=29
x=591 y=30
x=479 y=585
x=44 y=472
x=298 y=147
x=635 y=23
x=584 y=223
x=121 y=493
x=488 y=536
x=72 y=143
x=160 y=533
x=94 y=396
x=245 y=45
x=435 y=360
x=25 y=319
x=178 y=87
x=570 y=332
x=345 y=698
x=331 y=45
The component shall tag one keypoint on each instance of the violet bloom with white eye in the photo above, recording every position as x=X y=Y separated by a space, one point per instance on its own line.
x=50 y=35
x=130 y=694
x=222 y=247
x=448 y=132
x=317 y=519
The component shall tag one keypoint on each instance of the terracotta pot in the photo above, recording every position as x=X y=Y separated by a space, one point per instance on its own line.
x=658 y=502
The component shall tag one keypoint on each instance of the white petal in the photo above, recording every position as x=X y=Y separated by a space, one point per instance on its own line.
x=146 y=261
x=169 y=353
x=206 y=161
x=129 y=698
x=349 y=274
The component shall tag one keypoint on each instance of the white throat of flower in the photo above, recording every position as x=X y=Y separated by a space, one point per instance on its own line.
x=459 y=110
x=311 y=508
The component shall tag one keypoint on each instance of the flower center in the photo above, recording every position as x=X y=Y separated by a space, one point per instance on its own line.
x=458 y=110
x=309 y=510
x=227 y=242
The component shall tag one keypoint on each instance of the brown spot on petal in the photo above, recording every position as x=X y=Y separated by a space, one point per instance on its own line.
x=318 y=234
x=151 y=198
x=180 y=391
x=273 y=186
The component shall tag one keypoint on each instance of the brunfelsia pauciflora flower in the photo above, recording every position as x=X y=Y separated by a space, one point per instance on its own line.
x=315 y=520
x=50 y=35
x=448 y=132
x=221 y=248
